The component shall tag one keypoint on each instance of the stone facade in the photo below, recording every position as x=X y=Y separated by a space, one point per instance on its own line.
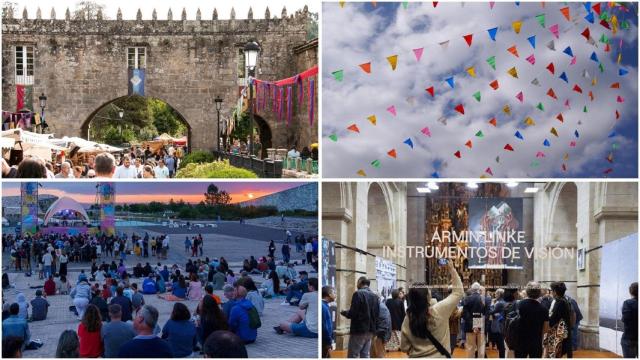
x=82 y=66
x=304 y=197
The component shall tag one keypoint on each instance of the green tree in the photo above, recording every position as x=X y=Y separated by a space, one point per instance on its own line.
x=88 y=10
x=165 y=118
x=214 y=196
x=312 y=26
x=242 y=127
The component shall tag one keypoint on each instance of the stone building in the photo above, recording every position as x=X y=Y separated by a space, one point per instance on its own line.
x=303 y=197
x=368 y=215
x=82 y=66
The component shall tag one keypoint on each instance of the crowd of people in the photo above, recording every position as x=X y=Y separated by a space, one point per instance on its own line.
x=133 y=164
x=534 y=322
x=111 y=300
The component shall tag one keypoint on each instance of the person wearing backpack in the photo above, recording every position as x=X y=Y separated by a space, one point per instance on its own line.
x=473 y=311
x=242 y=320
x=557 y=342
x=526 y=327
x=425 y=329
x=497 y=322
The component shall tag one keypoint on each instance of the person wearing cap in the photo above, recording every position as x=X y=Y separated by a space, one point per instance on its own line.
x=91 y=173
x=40 y=307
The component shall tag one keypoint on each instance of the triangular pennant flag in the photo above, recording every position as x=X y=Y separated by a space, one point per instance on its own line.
x=493 y=122
x=565 y=12
x=623 y=72
x=535 y=82
x=494 y=84
x=551 y=45
x=457 y=154
x=366 y=67
x=573 y=60
x=586 y=33
x=590 y=18
x=435 y=3
x=529 y=121
x=498 y=159
x=354 y=128
x=459 y=108
x=333 y=137
x=468 y=38
x=532 y=41
x=450 y=81
x=564 y=77
x=591 y=97
x=554 y=131
x=409 y=142
x=375 y=164
x=405 y=4
x=469 y=144
x=552 y=94
x=551 y=68
x=564 y=167
x=471 y=71
x=566 y=156
x=617 y=115
x=372 y=119
x=444 y=45
x=519 y=135
x=568 y=51
x=491 y=4
x=476 y=95
x=393 y=61
x=361 y=173
x=612 y=134
x=418 y=53
x=615 y=85
x=572 y=143
x=520 y=96
x=508 y=147
x=585 y=74
x=610 y=157
x=539 y=154
x=596 y=8
x=594 y=57
x=513 y=72
x=479 y=134
x=560 y=118
x=506 y=109
x=513 y=50
x=540 y=106
x=341 y=3
x=488 y=171
x=540 y=19
x=426 y=131
x=338 y=75
x=546 y=143
x=392 y=110
x=492 y=62
x=585 y=109
x=577 y=89
x=430 y=90
x=576 y=134
x=555 y=30
x=566 y=104
x=392 y=153
x=435 y=175
x=443 y=120
x=605 y=24
x=517 y=25
x=492 y=33
x=532 y=59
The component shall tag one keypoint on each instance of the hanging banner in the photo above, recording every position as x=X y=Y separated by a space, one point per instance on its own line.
x=29 y=208
x=24 y=97
x=385 y=276
x=496 y=236
x=136 y=82
x=328 y=263
x=107 y=201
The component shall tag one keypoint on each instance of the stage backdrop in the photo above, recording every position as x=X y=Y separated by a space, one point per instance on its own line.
x=29 y=208
x=619 y=268
x=385 y=276
x=107 y=202
x=499 y=215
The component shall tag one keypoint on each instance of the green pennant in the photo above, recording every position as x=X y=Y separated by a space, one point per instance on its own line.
x=477 y=95
x=604 y=39
x=480 y=134
x=405 y=4
x=540 y=19
x=375 y=163
x=338 y=75
x=492 y=62
x=625 y=24
x=540 y=106
x=584 y=109
x=604 y=16
x=333 y=137
x=601 y=67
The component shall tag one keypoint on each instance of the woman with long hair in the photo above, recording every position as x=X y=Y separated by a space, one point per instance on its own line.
x=89 y=333
x=180 y=331
x=195 y=288
x=425 y=329
x=271 y=285
x=68 y=345
x=211 y=319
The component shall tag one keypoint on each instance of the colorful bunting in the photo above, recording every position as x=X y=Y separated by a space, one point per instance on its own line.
x=551 y=45
x=623 y=72
x=469 y=144
x=517 y=25
x=506 y=109
x=479 y=134
x=551 y=68
x=535 y=82
x=532 y=59
x=488 y=171
x=554 y=131
x=361 y=173
x=540 y=19
x=492 y=62
x=476 y=95
x=418 y=53
x=565 y=12
x=392 y=153
x=393 y=61
x=540 y=106
x=513 y=50
x=552 y=94
x=409 y=142
x=459 y=108
x=338 y=75
x=568 y=51
x=468 y=38
x=492 y=33
x=333 y=137
x=540 y=154
x=471 y=71
x=560 y=118
x=577 y=89
x=513 y=72
x=430 y=90
x=366 y=67
x=555 y=30
x=546 y=143
x=519 y=135
x=564 y=77
x=392 y=110
x=354 y=128
x=375 y=164
x=450 y=81
x=529 y=121
x=586 y=33
x=493 y=122
x=372 y=119
x=508 y=147
x=426 y=131
x=520 y=96
x=457 y=154
x=594 y=57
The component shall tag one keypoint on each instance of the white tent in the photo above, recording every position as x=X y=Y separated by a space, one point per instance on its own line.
x=65 y=203
x=31 y=143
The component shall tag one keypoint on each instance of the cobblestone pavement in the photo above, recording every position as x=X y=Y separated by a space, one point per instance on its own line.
x=233 y=248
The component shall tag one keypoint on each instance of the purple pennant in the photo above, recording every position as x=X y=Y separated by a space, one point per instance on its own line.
x=300 y=84
x=312 y=91
x=274 y=105
x=280 y=104
x=289 y=104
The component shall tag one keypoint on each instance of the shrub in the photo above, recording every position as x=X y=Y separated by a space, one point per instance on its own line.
x=218 y=169
x=197 y=157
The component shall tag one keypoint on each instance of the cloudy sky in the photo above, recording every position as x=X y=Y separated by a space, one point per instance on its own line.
x=130 y=8
x=141 y=192
x=374 y=33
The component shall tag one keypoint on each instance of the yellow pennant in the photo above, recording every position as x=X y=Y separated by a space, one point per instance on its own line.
x=393 y=61
x=554 y=131
x=614 y=24
x=341 y=3
x=471 y=71
x=507 y=110
x=361 y=173
x=594 y=81
x=513 y=72
x=372 y=119
x=529 y=121
x=565 y=157
x=517 y=25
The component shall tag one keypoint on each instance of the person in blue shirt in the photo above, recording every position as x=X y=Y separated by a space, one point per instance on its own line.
x=230 y=294
x=297 y=290
x=187 y=244
x=161 y=285
x=239 y=317
x=165 y=273
x=16 y=326
x=179 y=288
x=149 y=285
x=328 y=296
x=146 y=344
x=180 y=331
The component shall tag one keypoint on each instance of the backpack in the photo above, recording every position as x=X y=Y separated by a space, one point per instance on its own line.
x=511 y=326
x=254 y=318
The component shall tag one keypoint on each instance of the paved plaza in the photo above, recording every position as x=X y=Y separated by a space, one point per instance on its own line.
x=234 y=248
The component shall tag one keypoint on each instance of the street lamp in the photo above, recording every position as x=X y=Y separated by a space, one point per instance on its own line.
x=251 y=50
x=218 y=101
x=43 y=104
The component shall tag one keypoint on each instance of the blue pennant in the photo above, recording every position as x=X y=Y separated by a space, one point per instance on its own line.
x=564 y=77
x=623 y=72
x=590 y=17
x=518 y=135
x=492 y=33
x=450 y=81
x=594 y=57
x=409 y=142
x=532 y=41
x=546 y=143
x=612 y=134
x=435 y=175
x=568 y=51
x=576 y=134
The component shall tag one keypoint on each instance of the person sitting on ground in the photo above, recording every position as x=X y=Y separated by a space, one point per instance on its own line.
x=68 y=345
x=179 y=288
x=137 y=271
x=305 y=321
x=40 y=307
x=240 y=320
x=50 y=286
x=99 y=302
x=296 y=290
x=137 y=299
x=24 y=306
x=224 y=344
x=63 y=286
x=12 y=347
x=89 y=333
x=146 y=344
x=194 y=292
x=211 y=318
x=5 y=281
x=160 y=285
x=124 y=302
x=180 y=332
x=230 y=294
x=271 y=286
x=218 y=280
x=116 y=332
x=149 y=285
x=16 y=326
x=252 y=293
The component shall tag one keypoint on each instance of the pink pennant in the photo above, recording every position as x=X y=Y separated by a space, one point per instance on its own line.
x=531 y=59
x=491 y=4
x=392 y=110
x=620 y=99
x=426 y=131
x=488 y=171
x=418 y=53
x=520 y=96
x=566 y=104
x=573 y=60
x=540 y=154
x=572 y=144
x=555 y=30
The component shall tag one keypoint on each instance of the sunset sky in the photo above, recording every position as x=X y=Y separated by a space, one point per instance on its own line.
x=142 y=192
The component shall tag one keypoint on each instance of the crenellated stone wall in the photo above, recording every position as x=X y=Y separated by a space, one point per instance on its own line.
x=304 y=197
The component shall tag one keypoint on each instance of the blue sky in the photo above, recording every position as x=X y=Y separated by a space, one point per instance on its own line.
x=388 y=28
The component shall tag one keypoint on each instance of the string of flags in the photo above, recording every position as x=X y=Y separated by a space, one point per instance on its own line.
x=608 y=20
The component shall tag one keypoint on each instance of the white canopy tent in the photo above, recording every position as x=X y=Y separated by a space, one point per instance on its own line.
x=65 y=203
x=31 y=143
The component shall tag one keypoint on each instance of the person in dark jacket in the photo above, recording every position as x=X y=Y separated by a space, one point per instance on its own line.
x=328 y=296
x=100 y=303
x=497 y=321
x=629 y=340
x=364 y=312
x=397 y=311
x=533 y=323
x=473 y=312
x=574 y=330
x=383 y=332
x=560 y=312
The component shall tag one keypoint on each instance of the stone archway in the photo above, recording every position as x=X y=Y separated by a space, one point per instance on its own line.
x=264 y=131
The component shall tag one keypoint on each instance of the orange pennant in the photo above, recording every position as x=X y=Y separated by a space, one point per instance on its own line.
x=493 y=122
x=494 y=84
x=513 y=50
x=366 y=67
x=354 y=128
x=392 y=153
x=565 y=12
x=615 y=85
x=469 y=144
x=552 y=94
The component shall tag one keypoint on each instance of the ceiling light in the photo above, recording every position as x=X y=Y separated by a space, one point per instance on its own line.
x=423 y=190
x=472 y=185
x=512 y=184
x=432 y=185
x=531 y=190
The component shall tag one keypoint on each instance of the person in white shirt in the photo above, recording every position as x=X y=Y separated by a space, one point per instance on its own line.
x=139 y=168
x=293 y=153
x=162 y=172
x=126 y=170
x=65 y=171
